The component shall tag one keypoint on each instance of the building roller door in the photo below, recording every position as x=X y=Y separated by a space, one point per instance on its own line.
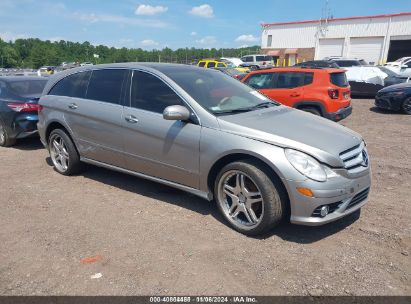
x=367 y=48
x=330 y=47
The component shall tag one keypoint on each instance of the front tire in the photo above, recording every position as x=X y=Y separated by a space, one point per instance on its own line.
x=63 y=153
x=5 y=140
x=406 y=106
x=248 y=198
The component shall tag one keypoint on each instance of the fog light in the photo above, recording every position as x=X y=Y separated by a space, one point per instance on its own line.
x=324 y=210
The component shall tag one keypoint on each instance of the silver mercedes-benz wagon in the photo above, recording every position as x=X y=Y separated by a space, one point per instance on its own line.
x=204 y=132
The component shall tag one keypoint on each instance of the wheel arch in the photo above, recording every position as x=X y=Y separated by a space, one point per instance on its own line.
x=55 y=124
x=269 y=168
x=311 y=104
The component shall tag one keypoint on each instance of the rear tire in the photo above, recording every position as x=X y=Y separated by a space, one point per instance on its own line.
x=5 y=140
x=312 y=111
x=248 y=199
x=406 y=106
x=63 y=153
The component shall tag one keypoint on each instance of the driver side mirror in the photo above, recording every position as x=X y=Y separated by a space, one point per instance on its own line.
x=176 y=113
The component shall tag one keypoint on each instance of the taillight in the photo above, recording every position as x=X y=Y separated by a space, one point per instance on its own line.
x=24 y=107
x=333 y=93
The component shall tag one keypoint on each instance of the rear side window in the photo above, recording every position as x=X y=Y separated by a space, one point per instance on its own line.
x=74 y=85
x=106 y=85
x=151 y=94
x=27 y=88
x=260 y=81
x=289 y=80
x=211 y=64
x=348 y=63
x=201 y=64
x=339 y=79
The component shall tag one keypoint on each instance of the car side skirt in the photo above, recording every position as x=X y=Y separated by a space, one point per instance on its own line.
x=205 y=195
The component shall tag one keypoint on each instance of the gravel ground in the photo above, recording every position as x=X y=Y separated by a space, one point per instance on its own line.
x=142 y=238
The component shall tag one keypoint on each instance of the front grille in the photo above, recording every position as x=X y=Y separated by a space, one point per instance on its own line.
x=354 y=158
x=360 y=197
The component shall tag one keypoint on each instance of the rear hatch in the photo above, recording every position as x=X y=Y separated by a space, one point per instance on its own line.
x=341 y=88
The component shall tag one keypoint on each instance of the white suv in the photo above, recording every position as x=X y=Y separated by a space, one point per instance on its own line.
x=258 y=61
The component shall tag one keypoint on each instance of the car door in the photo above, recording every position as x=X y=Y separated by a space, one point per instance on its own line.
x=154 y=146
x=94 y=114
x=263 y=82
x=287 y=87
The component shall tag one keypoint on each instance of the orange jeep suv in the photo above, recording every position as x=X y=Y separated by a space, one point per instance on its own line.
x=324 y=92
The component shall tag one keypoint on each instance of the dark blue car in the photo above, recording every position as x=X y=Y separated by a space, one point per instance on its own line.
x=396 y=98
x=19 y=107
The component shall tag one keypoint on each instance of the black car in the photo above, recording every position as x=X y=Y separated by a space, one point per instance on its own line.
x=19 y=107
x=396 y=98
x=318 y=64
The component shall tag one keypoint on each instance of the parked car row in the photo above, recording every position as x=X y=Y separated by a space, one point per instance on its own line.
x=204 y=132
x=365 y=80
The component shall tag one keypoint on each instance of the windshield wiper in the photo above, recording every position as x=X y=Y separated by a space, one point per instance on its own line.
x=263 y=105
x=248 y=109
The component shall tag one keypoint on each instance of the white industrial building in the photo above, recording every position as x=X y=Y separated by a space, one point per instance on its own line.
x=373 y=38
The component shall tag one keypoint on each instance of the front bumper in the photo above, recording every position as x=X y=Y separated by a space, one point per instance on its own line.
x=389 y=102
x=340 y=114
x=343 y=196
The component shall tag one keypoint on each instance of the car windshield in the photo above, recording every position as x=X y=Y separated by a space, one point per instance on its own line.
x=400 y=59
x=28 y=88
x=388 y=71
x=217 y=92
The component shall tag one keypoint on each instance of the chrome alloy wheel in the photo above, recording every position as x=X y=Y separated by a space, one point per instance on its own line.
x=58 y=153
x=240 y=199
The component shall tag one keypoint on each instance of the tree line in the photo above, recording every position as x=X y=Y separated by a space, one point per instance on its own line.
x=34 y=53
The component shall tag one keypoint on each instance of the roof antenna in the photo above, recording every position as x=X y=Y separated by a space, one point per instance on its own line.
x=325 y=16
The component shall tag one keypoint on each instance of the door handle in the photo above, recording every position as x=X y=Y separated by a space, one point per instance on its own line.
x=294 y=95
x=73 y=106
x=131 y=119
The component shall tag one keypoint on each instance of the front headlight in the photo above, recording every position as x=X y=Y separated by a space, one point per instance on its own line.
x=306 y=165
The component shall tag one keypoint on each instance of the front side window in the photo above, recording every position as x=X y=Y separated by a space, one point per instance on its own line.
x=247 y=59
x=151 y=94
x=259 y=58
x=289 y=80
x=221 y=65
x=260 y=81
x=106 y=85
x=217 y=92
x=74 y=85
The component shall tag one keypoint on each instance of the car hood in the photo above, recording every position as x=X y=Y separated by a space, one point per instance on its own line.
x=290 y=128
x=394 y=87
